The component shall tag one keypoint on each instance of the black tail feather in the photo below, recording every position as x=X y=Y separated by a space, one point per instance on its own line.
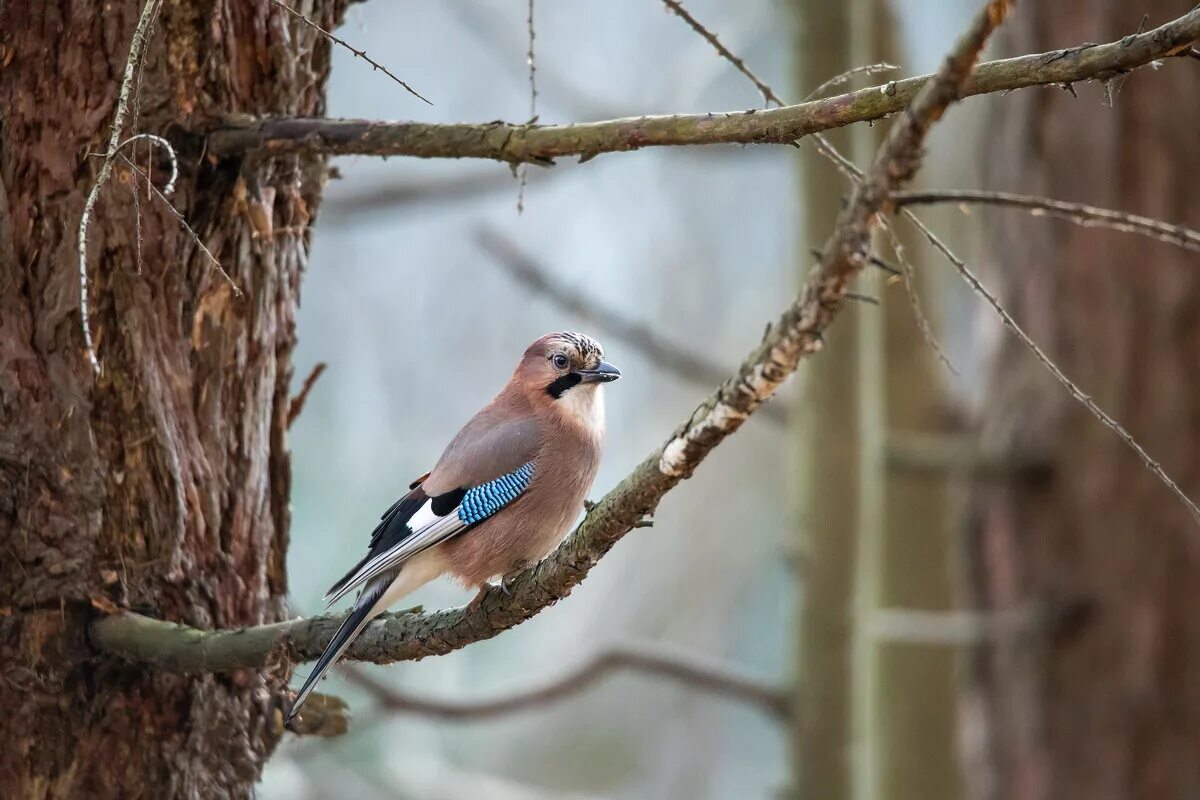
x=355 y=621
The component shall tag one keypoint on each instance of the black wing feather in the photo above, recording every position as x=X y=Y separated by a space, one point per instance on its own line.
x=391 y=531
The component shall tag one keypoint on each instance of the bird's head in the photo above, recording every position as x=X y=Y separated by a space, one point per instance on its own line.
x=566 y=367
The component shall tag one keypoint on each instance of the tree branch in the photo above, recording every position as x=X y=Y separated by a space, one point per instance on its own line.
x=542 y=144
x=687 y=669
x=1079 y=213
x=797 y=334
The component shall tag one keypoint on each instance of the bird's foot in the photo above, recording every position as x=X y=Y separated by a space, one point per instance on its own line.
x=506 y=580
x=477 y=600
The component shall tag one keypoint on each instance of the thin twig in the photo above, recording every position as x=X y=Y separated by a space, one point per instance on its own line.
x=1058 y=374
x=529 y=58
x=359 y=53
x=725 y=53
x=137 y=212
x=1079 y=213
x=839 y=79
x=909 y=277
x=114 y=147
x=183 y=223
x=533 y=114
x=797 y=334
x=678 y=360
x=165 y=145
x=297 y=403
x=688 y=669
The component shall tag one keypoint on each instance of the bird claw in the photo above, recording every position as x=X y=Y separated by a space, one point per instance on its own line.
x=477 y=600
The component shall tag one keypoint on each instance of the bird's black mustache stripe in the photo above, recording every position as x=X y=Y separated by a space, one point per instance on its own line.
x=560 y=385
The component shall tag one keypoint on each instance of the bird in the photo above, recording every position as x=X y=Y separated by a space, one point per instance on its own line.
x=501 y=496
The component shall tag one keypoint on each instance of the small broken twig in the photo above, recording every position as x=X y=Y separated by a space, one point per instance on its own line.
x=297 y=403
x=842 y=77
x=359 y=53
x=237 y=290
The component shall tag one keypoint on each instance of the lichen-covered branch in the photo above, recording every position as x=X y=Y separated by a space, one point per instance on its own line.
x=544 y=143
x=795 y=335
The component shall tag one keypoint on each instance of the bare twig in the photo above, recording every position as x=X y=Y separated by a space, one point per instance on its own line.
x=529 y=59
x=532 y=62
x=914 y=300
x=1079 y=213
x=183 y=223
x=722 y=50
x=797 y=334
x=297 y=403
x=359 y=53
x=542 y=144
x=114 y=146
x=839 y=79
x=687 y=669
x=1058 y=374
x=165 y=145
x=681 y=361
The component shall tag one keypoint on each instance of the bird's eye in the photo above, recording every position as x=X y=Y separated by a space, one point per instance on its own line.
x=559 y=361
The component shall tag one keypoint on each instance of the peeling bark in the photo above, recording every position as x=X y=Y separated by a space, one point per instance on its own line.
x=163 y=484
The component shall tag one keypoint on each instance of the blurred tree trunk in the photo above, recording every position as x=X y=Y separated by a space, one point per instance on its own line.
x=1106 y=703
x=826 y=430
x=871 y=719
x=163 y=484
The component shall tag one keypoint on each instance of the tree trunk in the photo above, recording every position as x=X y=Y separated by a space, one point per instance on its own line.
x=162 y=485
x=826 y=427
x=1104 y=701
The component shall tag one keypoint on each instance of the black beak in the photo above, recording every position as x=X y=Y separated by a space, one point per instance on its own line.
x=603 y=373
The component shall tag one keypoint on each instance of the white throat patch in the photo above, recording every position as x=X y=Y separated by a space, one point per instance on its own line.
x=584 y=404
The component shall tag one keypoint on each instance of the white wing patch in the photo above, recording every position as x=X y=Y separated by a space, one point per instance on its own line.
x=428 y=529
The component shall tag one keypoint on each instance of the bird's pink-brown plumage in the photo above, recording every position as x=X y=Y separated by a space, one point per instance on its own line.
x=523 y=424
x=550 y=415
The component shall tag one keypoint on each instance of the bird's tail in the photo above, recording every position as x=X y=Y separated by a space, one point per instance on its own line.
x=365 y=608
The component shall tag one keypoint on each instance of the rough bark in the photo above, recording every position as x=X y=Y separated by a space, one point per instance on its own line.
x=1108 y=704
x=162 y=484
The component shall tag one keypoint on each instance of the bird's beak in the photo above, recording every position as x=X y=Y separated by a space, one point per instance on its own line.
x=603 y=373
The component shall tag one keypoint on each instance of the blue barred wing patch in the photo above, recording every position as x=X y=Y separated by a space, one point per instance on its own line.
x=486 y=499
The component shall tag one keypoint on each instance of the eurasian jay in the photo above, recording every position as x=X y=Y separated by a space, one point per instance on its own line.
x=500 y=497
